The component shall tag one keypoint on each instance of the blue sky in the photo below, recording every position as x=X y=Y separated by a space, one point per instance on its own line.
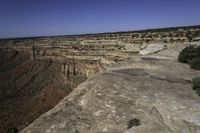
x=22 y=18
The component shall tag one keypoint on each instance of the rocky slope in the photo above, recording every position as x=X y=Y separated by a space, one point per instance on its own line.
x=147 y=87
x=156 y=92
x=27 y=89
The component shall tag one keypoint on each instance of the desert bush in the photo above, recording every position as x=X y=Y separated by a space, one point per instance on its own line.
x=195 y=63
x=133 y=122
x=189 y=53
x=196 y=84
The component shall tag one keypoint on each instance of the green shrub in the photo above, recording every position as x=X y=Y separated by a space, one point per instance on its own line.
x=189 y=53
x=196 y=84
x=133 y=122
x=195 y=63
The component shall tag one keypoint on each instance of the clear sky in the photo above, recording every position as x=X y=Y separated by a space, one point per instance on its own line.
x=22 y=18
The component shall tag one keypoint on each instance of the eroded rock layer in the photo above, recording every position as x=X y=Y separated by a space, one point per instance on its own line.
x=145 y=88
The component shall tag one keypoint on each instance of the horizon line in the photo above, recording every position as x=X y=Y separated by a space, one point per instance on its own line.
x=96 y=33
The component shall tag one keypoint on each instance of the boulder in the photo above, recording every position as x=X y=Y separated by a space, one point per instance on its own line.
x=152 y=48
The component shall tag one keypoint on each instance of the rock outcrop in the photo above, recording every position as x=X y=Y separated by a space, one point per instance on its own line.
x=134 y=83
x=157 y=92
x=152 y=48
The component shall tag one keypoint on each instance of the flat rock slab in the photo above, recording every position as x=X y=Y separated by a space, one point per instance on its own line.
x=158 y=93
x=152 y=48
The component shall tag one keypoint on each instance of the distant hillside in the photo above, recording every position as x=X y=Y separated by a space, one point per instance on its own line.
x=119 y=32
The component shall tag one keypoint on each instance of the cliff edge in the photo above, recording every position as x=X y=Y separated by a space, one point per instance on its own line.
x=155 y=94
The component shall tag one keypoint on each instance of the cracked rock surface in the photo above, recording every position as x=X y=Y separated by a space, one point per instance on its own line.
x=156 y=91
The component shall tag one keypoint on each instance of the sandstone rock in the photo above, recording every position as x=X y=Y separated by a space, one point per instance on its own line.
x=157 y=92
x=152 y=48
x=155 y=88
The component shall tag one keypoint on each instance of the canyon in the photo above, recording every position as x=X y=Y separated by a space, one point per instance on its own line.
x=96 y=83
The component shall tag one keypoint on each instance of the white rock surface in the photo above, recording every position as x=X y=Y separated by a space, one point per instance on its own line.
x=152 y=48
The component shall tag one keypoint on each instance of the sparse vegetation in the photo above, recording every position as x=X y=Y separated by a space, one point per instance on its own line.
x=12 y=130
x=189 y=36
x=133 y=122
x=196 y=84
x=195 y=63
x=191 y=56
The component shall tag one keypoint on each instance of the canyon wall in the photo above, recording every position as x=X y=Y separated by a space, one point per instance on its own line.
x=98 y=50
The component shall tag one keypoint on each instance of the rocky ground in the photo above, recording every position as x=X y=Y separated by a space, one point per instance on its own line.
x=154 y=90
x=139 y=87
